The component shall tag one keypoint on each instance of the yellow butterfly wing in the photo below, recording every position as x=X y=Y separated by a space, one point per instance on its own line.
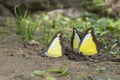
x=88 y=46
x=55 y=48
x=75 y=39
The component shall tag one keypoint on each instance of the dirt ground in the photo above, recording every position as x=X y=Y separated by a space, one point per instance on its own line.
x=17 y=62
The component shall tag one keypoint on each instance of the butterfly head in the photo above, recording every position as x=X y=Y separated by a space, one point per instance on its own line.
x=59 y=34
x=74 y=30
x=90 y=30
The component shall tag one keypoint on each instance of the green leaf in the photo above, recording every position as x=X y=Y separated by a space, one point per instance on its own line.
x=114 y=45
x=100 y=69
x=50 y=78
x=61 y=72
x=37 y=73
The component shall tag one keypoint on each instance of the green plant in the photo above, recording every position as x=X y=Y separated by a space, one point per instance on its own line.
x=113 y=49
x=114 y=26
x=25 y=25
x=46 y=74
x=5 y=37
x=109 y=79
x=21 y=20
x=51 y=25
x=30 y=28
x=48 y=32
x=99 y=2
x=42 y=75
x=100 y=69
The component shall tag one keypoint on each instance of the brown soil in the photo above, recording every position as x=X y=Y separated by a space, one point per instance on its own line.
x=17 y=62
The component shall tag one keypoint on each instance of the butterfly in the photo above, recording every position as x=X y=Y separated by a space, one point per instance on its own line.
x=55 y=48
x=87 y=45
x=75 y=39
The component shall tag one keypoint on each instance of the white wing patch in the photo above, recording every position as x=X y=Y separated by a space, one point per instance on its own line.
x=86 y=37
